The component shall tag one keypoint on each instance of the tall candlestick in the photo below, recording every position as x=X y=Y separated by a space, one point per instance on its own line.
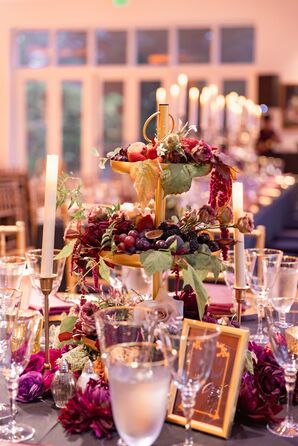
x=240 y=281
x=48 y=235
x=174 y=92
x=182 y=82
x=193 y=113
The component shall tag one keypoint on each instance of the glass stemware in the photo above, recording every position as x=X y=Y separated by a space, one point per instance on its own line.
x=139 y=377
x=33 y=258
x=10 y=301
x=12 y=365
x=197 y=349
x=11 y=271
x=262 y=269
x=284 y=345
x=283 y=294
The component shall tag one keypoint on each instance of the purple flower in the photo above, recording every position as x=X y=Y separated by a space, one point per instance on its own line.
x=31 y=387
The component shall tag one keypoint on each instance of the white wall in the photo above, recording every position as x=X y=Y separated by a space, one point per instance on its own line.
x=275 y=22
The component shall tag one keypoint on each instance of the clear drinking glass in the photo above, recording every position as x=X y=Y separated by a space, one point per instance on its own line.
x=123 y=324
x=197 y=349
x=262 y=269
x=19 y=351
x=139 y=377
x=229 y=271
x=283 y=294
x=33 y=258
x=11 y=271
x=10 y=301
x=284 y=345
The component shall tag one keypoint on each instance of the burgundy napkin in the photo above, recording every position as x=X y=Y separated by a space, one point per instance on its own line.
x=221 y=298
x=57 y=306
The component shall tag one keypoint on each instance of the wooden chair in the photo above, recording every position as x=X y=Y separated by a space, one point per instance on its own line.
x=18 y=232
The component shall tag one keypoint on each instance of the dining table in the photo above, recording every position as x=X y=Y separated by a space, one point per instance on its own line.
x=43 y=416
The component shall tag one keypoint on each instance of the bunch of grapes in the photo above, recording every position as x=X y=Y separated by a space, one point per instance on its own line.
x=121 y=156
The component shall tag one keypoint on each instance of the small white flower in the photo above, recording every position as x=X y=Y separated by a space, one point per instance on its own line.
x=76 y=358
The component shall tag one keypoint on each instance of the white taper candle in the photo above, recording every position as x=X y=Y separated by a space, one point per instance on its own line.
x=48 y=235
x=237 y=195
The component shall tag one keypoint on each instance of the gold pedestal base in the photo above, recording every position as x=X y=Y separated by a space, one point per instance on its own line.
x=240 y=299
x=46 y=286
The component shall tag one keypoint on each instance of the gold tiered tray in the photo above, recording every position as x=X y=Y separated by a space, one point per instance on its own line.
x=132 y=260
x=124 y=166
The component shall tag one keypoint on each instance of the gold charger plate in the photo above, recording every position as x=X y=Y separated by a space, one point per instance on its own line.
x=132 y=260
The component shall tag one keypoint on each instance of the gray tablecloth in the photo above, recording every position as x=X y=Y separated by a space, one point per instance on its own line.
x=43 y=417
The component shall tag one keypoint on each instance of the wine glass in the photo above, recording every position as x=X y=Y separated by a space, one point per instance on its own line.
x=262 y=269
x=139 y=377
x=10 y=301
x=195 y=348
x=11 y=271
x=12 y=365
x=33 y=258
x=284 y=345
x=283 y=294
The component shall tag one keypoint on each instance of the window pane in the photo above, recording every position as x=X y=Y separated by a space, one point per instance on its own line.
x=238 y=85
x=35 y=123
x=194 y=45
x=71 y=124
x=33 y=49
x=111 y=47
x=72 y=47
x=112 y=115
x=237 y=45
x=152 y=47
x=148 y=106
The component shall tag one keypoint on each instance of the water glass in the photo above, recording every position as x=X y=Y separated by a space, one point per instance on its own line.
x=10 y=301
x=196 y=348
x=262 y=269
x=284 y=345
x=139 y=377
x=283 y=294
x=12 y=365
x=11 y=271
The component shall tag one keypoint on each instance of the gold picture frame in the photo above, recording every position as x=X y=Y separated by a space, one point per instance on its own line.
x=221 y=390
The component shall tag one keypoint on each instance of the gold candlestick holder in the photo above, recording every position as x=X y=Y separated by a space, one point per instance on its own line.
x=46 y=286
x=240 y=294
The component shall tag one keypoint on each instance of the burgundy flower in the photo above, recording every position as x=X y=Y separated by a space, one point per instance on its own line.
x=89 y=410
x=31 y=387
x=224 y=215
x=245 y=224
x=86 y=317
x=270 y=381
x=206 y=214
x=36 y=363
x=202 y=152
x=72 y=231
x=188 y=144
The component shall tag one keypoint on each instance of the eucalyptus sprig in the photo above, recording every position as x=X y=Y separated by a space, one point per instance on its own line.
x=71 y=196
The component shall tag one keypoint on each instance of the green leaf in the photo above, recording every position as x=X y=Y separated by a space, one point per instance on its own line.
x=68 y=323
x=156 y=261
x=177 y=178
x=145 y=175
x=66 y=251
x=204 y=262
x=102 y=163
x=191 y=277
x=94 y=151
x=249 y=366
x=104 y=270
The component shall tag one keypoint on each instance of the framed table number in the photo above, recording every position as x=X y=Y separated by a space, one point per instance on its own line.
x=217 y=400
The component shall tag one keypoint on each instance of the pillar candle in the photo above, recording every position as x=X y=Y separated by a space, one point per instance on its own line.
x=182 y=82
x=48 y=235
x=174 y=93
x=237 y=195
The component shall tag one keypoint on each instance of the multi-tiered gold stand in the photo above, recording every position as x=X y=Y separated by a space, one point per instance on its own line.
x=163 y=129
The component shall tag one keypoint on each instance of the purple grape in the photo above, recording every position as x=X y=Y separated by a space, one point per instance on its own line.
x=160 y=244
